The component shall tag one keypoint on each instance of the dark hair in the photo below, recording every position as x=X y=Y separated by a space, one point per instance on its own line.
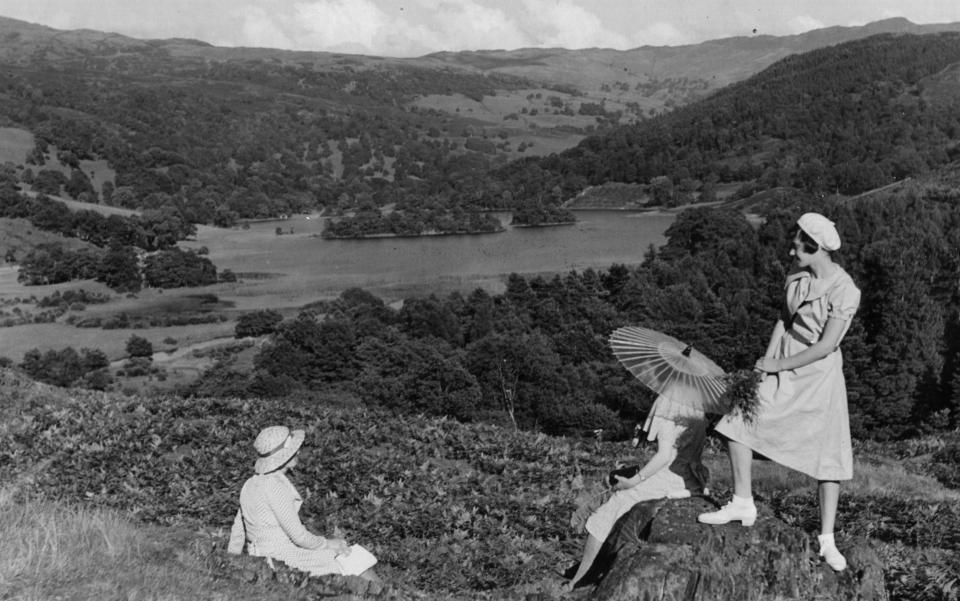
x=810 y=245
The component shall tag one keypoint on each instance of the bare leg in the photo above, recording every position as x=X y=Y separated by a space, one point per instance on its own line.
x=590 y=550
x=370 y=575
x=829 y=498
x=741 y=463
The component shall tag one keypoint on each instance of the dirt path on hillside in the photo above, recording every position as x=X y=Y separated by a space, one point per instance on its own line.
x=183 y=358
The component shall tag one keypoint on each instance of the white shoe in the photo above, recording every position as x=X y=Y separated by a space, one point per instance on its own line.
x=737 y=510
x=830 y=553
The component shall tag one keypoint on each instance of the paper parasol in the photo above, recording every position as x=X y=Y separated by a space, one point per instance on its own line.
x=669 y=367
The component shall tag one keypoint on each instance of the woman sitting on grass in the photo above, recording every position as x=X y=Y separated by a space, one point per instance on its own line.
x=674 y=472
x=268 y=524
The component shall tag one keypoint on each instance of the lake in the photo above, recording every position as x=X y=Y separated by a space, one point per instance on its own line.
x=303 y=263
x=295 y=269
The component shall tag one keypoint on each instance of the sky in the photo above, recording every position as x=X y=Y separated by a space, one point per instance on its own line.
x=408 y=28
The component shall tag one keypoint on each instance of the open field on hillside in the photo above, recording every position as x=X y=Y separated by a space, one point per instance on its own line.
x=15 y=143
x=19 y=235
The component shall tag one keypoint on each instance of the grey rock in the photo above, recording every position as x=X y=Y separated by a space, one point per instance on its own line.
x=659 y=552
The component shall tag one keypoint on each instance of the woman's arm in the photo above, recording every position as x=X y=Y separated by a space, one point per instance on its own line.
x=666 y=453
x=238 y=535
x=775 y=337
x=283 y=508
x=818 y=350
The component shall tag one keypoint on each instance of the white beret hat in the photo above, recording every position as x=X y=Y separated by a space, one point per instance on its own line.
x=820 y=229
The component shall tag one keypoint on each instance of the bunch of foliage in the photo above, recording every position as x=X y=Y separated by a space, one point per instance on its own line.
x=53 y=264
x=946 y=465
x=71 y=297
x=534 y=214
x=413 y=222
x=176 y=268
x=739 y=398
x=118 y=265
x=66 y=367
x=257 y=323
x=152 y=230
x=138 y=346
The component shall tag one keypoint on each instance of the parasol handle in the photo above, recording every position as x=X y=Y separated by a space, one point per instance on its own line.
x=686 y=352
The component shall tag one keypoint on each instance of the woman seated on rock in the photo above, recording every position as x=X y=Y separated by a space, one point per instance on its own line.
x=268 y=522
x=675 y=471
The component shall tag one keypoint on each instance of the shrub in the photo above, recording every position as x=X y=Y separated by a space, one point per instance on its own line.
x=96 y=380
x=139 y=347
x=257 y=323
x=946 y=465
x=137 y=366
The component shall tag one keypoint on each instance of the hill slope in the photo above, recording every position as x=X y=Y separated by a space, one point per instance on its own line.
x=847 y=118
x=221 y=133
x=453 y=511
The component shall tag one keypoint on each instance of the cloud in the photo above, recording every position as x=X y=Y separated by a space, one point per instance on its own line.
x=803 y=23
x=661 y=34
x=565 y=24
x=467 y=24
x=342 y=25
x=259 y=30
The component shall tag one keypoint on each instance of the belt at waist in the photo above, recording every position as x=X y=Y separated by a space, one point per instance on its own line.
x=799 y=338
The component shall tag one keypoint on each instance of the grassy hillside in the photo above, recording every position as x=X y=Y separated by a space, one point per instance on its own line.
x=452 y=510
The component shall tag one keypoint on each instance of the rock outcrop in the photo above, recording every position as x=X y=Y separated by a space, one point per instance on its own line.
x=659 y=552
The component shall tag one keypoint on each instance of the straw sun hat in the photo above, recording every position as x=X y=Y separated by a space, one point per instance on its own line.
x=275 y=446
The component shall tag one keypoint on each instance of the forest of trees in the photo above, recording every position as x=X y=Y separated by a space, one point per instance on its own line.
x=536 y=355
x=115 y=245
x=424 y=218
x=208 y=144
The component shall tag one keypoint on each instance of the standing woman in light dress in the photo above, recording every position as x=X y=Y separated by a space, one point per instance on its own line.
x=268 y=522
x=802 y=420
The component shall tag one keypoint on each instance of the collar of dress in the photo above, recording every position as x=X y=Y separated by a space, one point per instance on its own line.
x=810 y=288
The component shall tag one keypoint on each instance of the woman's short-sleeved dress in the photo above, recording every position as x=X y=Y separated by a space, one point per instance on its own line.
x=268 y=525
x=802 y=421
x=686 y=475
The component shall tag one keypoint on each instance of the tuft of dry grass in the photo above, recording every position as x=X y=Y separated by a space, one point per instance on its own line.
x=55 y=550
x=47 y=544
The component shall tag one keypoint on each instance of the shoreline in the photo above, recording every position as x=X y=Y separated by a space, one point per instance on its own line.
x=392 y=235
x=536 y=225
